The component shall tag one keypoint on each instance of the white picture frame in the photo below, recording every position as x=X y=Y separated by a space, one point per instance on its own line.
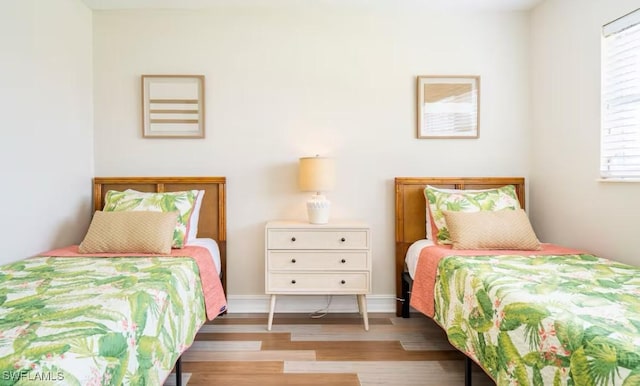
x=448 y=106
x=173 y=106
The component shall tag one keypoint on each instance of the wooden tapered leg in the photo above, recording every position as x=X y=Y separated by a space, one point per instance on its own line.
x=362 y=305
x=272 y=308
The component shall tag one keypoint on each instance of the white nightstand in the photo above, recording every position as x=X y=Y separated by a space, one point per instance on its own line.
x=308 y=259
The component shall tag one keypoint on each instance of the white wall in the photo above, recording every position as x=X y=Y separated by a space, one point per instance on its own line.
x=568 y=205
x=285 y=82
x=46 y=145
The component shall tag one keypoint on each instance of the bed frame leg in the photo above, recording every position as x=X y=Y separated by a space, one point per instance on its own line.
x=179 y=371
x=406 y=295
x=467 y=371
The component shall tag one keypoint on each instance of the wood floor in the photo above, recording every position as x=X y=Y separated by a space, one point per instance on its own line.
x=237 y=349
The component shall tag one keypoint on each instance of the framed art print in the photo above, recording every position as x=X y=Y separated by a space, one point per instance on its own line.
x=448 y=106
x=173 y=106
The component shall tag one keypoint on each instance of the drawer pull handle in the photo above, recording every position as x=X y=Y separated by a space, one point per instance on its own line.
x=293 y=260
x=342 y=282
x=343 y=239
x=343 y=261
x=293 y=239
x=293 y=282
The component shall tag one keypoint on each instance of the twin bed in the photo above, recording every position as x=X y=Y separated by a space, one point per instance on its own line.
x=74 y=318
x=548 y=316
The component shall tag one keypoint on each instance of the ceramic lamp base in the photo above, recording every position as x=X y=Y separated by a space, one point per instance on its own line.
x=318 y=209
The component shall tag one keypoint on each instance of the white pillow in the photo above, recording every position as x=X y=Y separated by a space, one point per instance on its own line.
x=195 y=216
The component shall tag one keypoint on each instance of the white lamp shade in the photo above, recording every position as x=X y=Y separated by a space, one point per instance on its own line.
x=317 y=174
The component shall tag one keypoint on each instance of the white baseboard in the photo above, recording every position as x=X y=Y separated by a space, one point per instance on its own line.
x=308 y=303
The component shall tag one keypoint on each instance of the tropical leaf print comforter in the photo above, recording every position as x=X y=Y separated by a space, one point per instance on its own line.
x=96 y=321
x=543 y=320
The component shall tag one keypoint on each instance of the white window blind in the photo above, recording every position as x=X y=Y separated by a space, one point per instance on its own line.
x=620 y=139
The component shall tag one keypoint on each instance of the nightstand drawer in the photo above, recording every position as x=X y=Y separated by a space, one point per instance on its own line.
x=316 y=239
x=324 y=283
x=325 y=261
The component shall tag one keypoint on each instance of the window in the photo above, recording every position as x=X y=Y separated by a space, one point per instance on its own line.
x=620 y=139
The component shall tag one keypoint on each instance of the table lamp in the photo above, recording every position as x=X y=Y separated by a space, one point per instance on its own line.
x=317 y=174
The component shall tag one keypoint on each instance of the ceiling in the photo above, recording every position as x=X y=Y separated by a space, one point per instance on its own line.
x=506 y=5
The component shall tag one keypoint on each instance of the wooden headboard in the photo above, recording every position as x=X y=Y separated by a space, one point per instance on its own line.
x=213 y=217
x=411 y=210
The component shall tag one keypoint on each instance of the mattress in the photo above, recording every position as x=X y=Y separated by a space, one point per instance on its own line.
x=212 y=247
x=413 y=254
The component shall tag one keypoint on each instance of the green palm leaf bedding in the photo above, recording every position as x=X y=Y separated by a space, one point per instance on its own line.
x=543 y=320
x=96 y=321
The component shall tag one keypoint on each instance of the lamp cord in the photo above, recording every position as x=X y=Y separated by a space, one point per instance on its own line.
x=323 y=311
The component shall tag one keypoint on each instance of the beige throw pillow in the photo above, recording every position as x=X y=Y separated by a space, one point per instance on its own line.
x=502 y=229
x=130 y=232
